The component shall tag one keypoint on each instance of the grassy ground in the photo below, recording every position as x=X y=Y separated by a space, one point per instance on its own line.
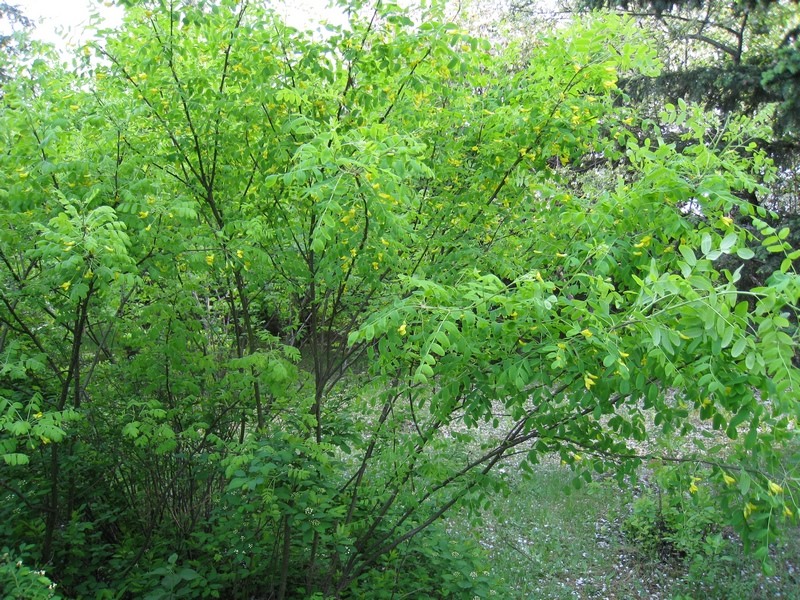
x=548 y=545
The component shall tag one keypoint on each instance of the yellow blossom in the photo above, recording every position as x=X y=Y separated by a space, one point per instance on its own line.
x=774 y=488
x=143 y=214
x=748 y=509
x=623 y=354
x=560 y=255
x=692 y=486
x=65 y=286
x=239 y=254
x=402 y=329
x=728 y=479
x=38 y=415
x=727 y=221
x=645 y=241
x=589 y=380
x=209 y=259
x=586 y=333
x=787 y=512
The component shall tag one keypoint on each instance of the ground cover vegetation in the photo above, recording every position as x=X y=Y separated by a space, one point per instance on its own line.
x=275 y=303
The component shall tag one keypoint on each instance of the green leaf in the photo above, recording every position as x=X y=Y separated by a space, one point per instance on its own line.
x=15 y=459
x=738 y=347
x=728 y=242
x=688 y=255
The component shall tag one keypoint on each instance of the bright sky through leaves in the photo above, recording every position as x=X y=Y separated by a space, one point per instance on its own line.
x=64 y=23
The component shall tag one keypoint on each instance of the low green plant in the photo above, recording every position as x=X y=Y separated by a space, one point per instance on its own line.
x=22 y=582
x=676 y=521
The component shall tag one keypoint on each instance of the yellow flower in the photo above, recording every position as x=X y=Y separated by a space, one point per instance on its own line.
x=589 y=380
x=623 y=354
x=402 y=329
x=645 y=241
x=727 y=221
x=728 y=479
x=38 y=415
x=65 y=286
x=239 y=254
x=748 y=509
x=787 y=512
x=774 y=488
x=209 y=259
x=143 y=214
x=586 y=333
x=692 y=486
x=560 y=255
x=45 y=440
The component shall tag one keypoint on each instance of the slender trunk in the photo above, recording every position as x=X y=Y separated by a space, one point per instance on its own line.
x=312 y=564
x=251 y=344
x=71 y=383
x=287 y=549
x=51 y=520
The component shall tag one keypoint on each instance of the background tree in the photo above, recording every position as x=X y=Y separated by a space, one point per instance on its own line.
x=12 y=23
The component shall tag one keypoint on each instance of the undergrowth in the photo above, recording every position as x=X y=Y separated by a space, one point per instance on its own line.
x=605 y=542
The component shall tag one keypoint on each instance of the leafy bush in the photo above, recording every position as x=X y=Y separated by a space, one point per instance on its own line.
x=674 y=522
x=19 y=581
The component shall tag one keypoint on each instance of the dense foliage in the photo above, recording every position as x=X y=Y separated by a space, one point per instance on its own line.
x=274 y=302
